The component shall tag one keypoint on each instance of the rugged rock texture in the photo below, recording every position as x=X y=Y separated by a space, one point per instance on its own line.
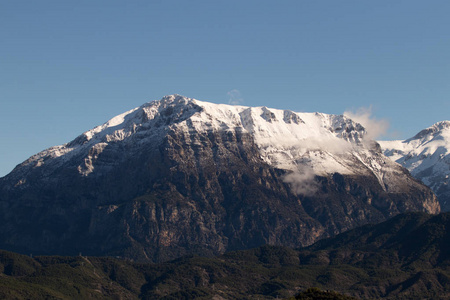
x=172 y=178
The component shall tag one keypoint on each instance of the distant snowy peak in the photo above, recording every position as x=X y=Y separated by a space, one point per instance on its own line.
x=440 y=128
x=430 y=141
x=427 y=157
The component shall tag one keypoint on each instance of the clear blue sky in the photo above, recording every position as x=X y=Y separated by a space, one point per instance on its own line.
x=67 y=66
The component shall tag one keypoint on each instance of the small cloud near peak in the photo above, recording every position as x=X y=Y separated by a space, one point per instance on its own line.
x=374 y=127
x=235 y=97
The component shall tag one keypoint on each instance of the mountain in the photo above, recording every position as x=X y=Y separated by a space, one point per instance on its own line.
x=180 y=176
x=427 y=157
x=406 y=257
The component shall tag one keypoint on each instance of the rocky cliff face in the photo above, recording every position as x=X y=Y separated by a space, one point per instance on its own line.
x=427 y=157
x=180 y=176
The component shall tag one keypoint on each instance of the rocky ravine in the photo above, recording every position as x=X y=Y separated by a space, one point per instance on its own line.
x=180 y=176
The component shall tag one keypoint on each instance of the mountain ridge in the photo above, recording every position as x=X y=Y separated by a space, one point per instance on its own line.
x=328 y=134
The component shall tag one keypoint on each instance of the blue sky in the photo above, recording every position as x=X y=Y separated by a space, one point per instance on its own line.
x=67 y=66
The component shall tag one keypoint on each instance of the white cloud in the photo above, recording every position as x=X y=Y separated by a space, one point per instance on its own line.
x=235 y=97
x=302 y=181
x=374 y=127
x=327 y=143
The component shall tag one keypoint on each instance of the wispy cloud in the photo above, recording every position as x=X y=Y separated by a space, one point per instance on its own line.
x=374 y=127
x=235 y=97
x=302 y=182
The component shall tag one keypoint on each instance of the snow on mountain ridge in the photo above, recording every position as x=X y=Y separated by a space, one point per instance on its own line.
x=114 y=130
x=438 y=128
x=427 y=157
x=285 y=137
x=323 y=143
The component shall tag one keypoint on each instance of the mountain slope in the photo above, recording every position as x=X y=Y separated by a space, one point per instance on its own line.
x=406 y=257
x=180 y=176
x=427 y=157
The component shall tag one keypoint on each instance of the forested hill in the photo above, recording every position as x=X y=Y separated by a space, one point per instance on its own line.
x=406 y=257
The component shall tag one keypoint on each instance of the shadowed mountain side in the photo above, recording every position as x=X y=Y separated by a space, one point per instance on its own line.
x=406 y=257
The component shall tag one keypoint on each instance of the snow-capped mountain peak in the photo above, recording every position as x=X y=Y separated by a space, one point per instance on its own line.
x=440 y=128
x=427 y=157
x=322 y=143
